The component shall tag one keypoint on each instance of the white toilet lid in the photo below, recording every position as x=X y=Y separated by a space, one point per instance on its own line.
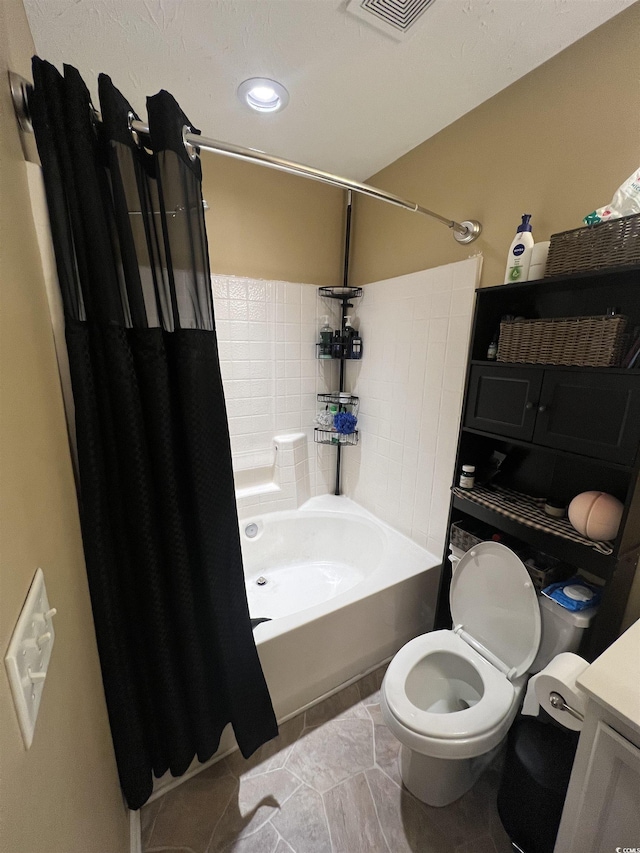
x=493 y=598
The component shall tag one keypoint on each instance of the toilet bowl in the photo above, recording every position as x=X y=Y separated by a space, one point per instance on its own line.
x=450 y=696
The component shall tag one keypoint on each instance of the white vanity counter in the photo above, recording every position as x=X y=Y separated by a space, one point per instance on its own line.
x=613 y=679
x=602 y=808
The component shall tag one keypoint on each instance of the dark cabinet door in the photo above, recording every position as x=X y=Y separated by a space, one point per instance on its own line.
x=503 y=400
x=596 y=414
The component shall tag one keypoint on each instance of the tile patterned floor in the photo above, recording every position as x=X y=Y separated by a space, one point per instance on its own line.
x=330 y=783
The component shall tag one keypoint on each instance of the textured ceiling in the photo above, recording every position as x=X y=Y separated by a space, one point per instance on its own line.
x=359 y=99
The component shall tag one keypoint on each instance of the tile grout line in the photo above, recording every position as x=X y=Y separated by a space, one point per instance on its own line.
x=269 y=820
x=233 y=841
x=382 y=770
x=153 y=825
x=286 y=800
x=222 y=814
x=279 y=834
x=379 y=766
x=375 y=808
x=295 y=776
x=373 y=740
x=328 y=822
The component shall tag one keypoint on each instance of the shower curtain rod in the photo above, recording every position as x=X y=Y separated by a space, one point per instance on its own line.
x=464 y=232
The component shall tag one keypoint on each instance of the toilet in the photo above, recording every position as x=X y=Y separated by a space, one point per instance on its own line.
x=451 y=696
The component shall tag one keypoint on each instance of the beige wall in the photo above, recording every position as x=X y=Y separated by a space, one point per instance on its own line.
x=271 y=225
x=62 y=795
x=556 y=144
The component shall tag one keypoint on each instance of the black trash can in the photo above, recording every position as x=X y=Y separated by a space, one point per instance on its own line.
x=534 y=783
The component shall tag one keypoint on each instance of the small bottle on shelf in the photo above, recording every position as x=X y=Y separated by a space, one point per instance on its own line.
x=468 y=477
x=326 y=333
x=355 y=348
x=337 y=345
x=349 y=334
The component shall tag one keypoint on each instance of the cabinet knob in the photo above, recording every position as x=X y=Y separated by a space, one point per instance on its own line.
x=528 y=405
x=542 y=408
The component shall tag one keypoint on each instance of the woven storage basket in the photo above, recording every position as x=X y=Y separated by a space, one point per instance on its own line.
x=463 y=539
x=608 y=244
x=579 y=341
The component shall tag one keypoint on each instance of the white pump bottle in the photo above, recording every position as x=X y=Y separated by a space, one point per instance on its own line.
x=520 y=250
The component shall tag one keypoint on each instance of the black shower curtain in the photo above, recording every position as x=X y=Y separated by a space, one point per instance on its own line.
x=157 y=499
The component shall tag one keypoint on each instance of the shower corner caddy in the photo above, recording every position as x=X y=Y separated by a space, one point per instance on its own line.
x=344 y=294
x=345 y=402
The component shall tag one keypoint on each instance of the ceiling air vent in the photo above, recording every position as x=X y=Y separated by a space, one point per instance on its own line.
x=393 y=17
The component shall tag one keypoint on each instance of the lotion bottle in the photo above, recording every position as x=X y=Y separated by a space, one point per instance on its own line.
x=519 y=258
x=349 y=335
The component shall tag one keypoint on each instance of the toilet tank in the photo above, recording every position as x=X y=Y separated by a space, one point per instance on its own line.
x=562 y=630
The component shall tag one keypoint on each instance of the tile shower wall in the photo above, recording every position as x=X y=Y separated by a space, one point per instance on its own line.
x=266 y=337
x=415 y=331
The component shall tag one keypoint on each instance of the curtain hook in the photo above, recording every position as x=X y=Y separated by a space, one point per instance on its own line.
x=191 y=150
x=134 y=135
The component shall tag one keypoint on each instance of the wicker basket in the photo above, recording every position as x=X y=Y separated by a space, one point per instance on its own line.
x=579 y=341
x=463 y=539
x=545 y=570
x=608 y=244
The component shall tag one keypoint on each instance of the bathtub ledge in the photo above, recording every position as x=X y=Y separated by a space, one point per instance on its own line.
x=255 y=491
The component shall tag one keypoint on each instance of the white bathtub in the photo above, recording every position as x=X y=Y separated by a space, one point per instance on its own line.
x=343 y=591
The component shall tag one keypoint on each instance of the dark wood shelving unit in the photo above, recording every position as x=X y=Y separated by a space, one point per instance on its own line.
x=563 y=430
x=565 y=550
x=554 y=451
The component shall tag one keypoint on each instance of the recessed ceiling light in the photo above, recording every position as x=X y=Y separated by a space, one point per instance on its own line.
x=263 y=95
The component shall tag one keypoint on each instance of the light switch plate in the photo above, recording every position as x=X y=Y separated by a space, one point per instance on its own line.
x=28 y=655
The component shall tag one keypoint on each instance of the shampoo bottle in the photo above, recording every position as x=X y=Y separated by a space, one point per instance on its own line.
x=337 y=345
x=349 y=335
x=356 y=346
x=519 y=258
x=326 y=334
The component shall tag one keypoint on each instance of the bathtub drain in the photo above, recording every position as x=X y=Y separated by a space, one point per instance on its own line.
x=261 y=581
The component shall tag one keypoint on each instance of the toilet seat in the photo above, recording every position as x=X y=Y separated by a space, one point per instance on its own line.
x=495 y=607
x=495 y=704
